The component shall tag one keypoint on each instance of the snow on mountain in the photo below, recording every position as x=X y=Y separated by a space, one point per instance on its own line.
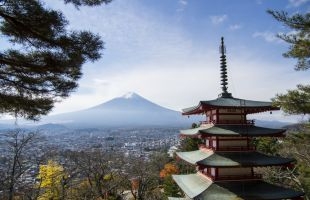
x=130 y=95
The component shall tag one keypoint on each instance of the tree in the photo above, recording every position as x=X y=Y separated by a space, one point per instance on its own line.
x=189 y=144
x=16 y=167
x=168 y=170
x=268 y=145
x=295 y=101
x=99 y=173
x=44 y=63
x=298 y=38
x=171 y=189
x=87 y=2
x=296 y=145
x=143 y=180
x=51 y=177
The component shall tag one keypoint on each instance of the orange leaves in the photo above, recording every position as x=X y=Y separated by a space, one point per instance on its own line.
x=168 y=170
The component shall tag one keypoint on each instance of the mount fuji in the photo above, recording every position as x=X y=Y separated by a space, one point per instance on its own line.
x=130 y=110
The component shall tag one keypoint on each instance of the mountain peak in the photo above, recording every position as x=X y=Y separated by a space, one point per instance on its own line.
x=130 y=95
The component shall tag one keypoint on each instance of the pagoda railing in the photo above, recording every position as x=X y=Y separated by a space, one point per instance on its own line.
x=236 y=148
x=229 y=148
x=246 y=122
x=233 y=177
x=239 y=177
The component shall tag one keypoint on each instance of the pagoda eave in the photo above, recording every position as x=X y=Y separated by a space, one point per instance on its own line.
x=248 y=106
x=204 y=109
x=228 y=130
x=206 y=135
x=201 y=187
x=209 y=158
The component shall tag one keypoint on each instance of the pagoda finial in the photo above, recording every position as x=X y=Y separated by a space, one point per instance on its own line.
x=224 y=79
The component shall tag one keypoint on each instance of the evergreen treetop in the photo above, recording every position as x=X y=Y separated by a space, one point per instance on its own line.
x=44 y=61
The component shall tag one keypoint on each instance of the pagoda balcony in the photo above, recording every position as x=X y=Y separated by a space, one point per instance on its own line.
x=233 y=177
x=236 y=148
x=243 y=122
x=228 y=148
x=239 y=177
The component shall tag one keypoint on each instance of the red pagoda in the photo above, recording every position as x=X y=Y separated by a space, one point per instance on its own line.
x=226 y=158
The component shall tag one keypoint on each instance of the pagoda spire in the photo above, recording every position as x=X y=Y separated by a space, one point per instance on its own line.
x=224 y=79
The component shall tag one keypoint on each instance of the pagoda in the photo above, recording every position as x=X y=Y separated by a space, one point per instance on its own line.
x=226 y=157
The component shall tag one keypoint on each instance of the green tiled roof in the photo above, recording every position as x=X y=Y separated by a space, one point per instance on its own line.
x=195 y=131
x=249 y=190
x=194 y=156
x=232 y=159
x=249 y=105
x=192 y=184
x=233 y=130
x=176 y=198
x=198 y=187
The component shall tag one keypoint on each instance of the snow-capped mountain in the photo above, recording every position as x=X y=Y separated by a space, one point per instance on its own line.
x=126 y=111
x=129 y=110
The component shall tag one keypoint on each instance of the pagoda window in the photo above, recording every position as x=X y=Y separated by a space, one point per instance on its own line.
x=214 y=144
x=231 y=119
x=207 y=142
x=230 y=111
x=235 y=173
x=213 y=171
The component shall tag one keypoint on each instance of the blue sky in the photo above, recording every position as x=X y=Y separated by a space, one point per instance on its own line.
x=167 y=50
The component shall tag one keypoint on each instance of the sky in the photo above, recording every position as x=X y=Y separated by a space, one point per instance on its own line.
x=168 y=51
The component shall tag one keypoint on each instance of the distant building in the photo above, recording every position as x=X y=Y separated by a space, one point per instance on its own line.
x=226 y=157
x=172 y=150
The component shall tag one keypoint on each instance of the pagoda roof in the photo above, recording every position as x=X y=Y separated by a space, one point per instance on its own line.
x=198 y=185
x=232 y=159
x=232 y=130
x=192 y=184
x=176 y=198
x=249 y=106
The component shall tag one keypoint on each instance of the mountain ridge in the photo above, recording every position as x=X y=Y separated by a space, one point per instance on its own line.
x=130 y=110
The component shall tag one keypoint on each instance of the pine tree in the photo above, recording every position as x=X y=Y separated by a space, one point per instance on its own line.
x=171 y=189
x=44 y=61
x=298 y=38
x=295 y=101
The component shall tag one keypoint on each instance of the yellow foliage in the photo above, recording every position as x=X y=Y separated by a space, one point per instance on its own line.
x=51 y=176
x=107 y=177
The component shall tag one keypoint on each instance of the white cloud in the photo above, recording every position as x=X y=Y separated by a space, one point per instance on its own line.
x=133 y=34
x=182 y=5
x=218 y=19
x=183 y=2
x=267 y=36
x=235 y=27
x=297 y=3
